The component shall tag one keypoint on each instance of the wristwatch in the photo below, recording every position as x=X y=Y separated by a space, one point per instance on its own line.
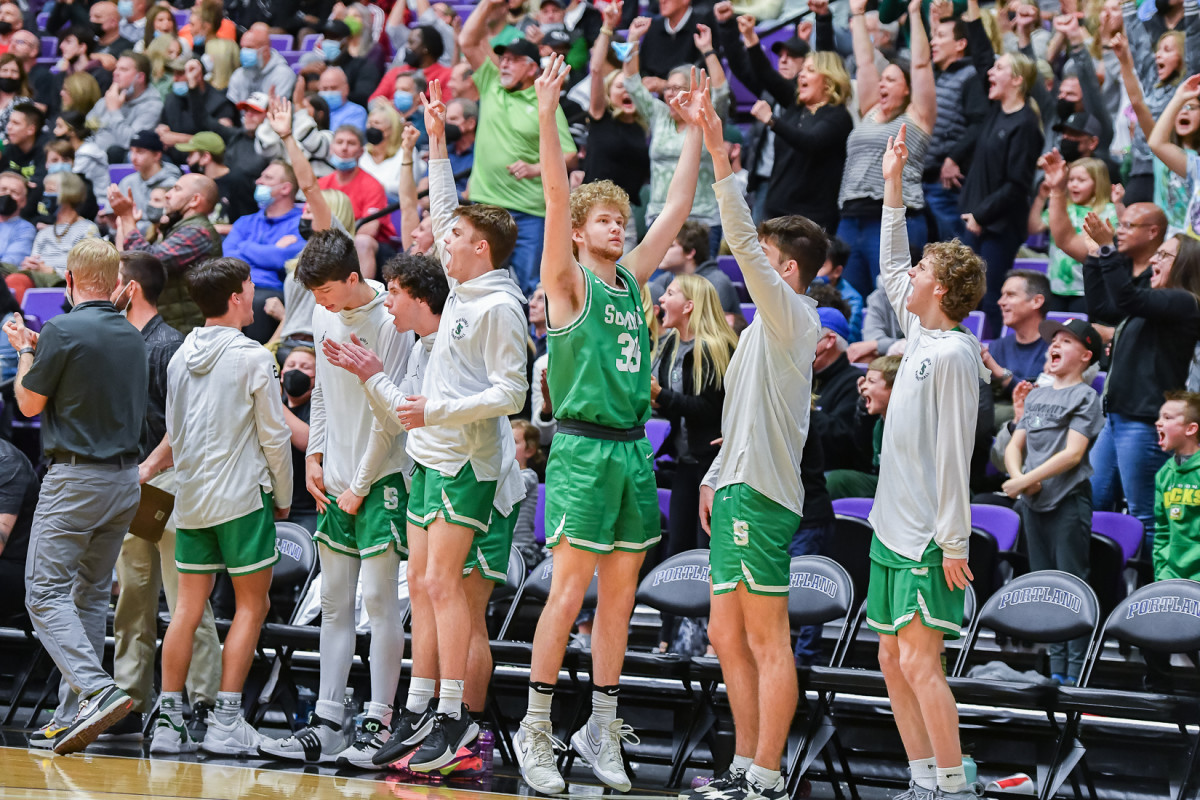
x=25 y=350
x=1107 y=250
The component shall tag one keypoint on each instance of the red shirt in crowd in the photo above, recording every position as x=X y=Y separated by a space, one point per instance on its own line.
x=366 y=197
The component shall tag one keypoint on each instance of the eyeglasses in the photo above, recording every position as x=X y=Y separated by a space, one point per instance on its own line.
x=1163 y=255
x=1123 y=225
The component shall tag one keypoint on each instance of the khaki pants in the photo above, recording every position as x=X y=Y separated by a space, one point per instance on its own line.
x=142 y=568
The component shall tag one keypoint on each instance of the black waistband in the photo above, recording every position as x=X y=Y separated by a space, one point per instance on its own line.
x=74 y=459
x=574 y=427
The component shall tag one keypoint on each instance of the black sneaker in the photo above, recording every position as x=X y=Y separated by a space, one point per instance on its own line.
x=411 y=730
x=127 y=730
x=442 y=743
x=758 y=791
x=727 y=780
x=198 y=726
x=97 y=713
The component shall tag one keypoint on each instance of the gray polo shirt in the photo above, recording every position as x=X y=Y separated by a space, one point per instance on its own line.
x=1050 y=414
x=92 y=365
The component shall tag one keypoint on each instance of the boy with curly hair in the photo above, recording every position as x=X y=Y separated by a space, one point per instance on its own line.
x=922 y=511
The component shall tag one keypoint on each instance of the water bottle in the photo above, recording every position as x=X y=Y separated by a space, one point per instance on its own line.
x=349 y=709
x=970 y=771
x=487 y=744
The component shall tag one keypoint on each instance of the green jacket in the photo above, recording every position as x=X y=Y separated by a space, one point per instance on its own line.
x=175 y=305
x=1177 y=520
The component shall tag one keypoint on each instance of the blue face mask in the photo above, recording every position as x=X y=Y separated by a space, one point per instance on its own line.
x=333 y=99
x=262 y=196
x=125 y=8
x=342 y=164
x=249 y=57
x=331 y=50
x=180 y=88
x=157 y=34
x=61 y=166
x=197 y=41
x=403 y=101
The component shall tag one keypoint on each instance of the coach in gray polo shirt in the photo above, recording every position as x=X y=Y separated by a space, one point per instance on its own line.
x=86 y=374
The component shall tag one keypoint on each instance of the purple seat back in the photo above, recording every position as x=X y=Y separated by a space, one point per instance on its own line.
x=182 y=18
x=118 y=171
x=729 y=266
x=657 y=431
x=49 y=47
x=1002 y=523
x=857 y=507
x=281 y=41
x=310 y=42
x=44 y=304
x=1098 y=382
x=748 y=310
x=974 y=323
x=1124 y=529
x=539 y=516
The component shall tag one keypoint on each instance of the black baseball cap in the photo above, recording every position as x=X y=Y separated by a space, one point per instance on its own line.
x=1079 y=122
x=519 y=47
x=796 y=47
x=1078 y=328
x=146 y=140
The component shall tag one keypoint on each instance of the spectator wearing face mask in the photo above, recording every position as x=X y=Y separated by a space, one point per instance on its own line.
x=383 y=157
x=60 y=157
x=262 y=68
x=365 y=193
x=130 y=105
x=64 y=193
x=235 y=188
x=296 y=379
x=207 y=22
x=407 y=101
x=150 y=171
x=361 y=72
x=192 y=106
x=423 y=52
x=241 y=149
x=106 y=22
x=14 y=86
x=334 y=89
x=25 y=47
x=16 y=234
x=133 y=18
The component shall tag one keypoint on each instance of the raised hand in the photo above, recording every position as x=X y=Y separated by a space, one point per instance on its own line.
x=723 y=11
x=762 y=111
x=435 y=109
x=549 y=85
x=194 y=72
x=689 y=104
x=940 y=10
x=1098 y=230
x=804 y=30
x=1020 y=392
x=703 y=38
x=896 y=155
x=1054 y=168
x=819 y=8
x=121 y=204
x=279 y=116
x=637 y=29
x=410 y=136
x=858 y=7
x=1120 y=47
x=746 y=25
x=710 y=124
x=1068 y=26
x=1189 y=89
x=914 y=8
x=611 y=14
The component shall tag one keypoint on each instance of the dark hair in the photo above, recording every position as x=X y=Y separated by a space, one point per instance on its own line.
x=1035 y=283
x=147 y=270
x=140 y=61
x=22 y=77
x=827 y=296
x=85 y=36
x=495 y=226
x=838 y=253
x=76 y=121
x=329 y=256
x=799 y=239
x=320 y=110
x=960 y=33
x=432 y=40
x=1185 y=269
x=420 y=277
x=693 y=238
x=33 y=115
x=213 y=282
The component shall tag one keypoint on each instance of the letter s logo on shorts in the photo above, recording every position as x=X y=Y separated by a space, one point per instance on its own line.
x=741 y=532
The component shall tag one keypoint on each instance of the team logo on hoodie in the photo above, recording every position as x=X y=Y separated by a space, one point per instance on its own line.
x=924 y=369
x=459 y=330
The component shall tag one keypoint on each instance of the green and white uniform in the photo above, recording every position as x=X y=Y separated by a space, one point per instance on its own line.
x=600 y=492
x=923 y=499
x=764 y=422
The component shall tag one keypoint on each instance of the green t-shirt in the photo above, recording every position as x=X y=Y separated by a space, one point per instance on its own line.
x=1064 y=272
x=508 y=132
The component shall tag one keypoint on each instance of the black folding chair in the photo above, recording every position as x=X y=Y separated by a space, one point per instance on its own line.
x=850 y=546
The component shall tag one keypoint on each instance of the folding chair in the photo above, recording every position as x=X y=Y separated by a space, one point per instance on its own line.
x=850 y=546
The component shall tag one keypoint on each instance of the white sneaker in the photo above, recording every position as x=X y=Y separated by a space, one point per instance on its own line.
x=600 y=747
x=371 y=739
x=236 y=739
x=170 y=739
x=320 y=743
x=535 y=746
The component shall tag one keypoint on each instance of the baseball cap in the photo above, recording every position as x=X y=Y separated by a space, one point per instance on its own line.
x=557 y=39
x=1078 y=328
x=1079 y=122
x=146 y=140
x=519 y=47
x=257 y=101
x=203 y=142
x=336 y=29
x=835 y=321
x=795 y=46
x=733 y=134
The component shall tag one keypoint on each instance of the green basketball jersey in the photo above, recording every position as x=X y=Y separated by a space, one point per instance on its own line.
x=599 y=368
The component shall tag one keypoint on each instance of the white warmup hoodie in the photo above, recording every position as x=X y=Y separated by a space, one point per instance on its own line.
x=475 y=375
x=768 y=386
x=226 y=428
x=340 y=416
x=925 y=461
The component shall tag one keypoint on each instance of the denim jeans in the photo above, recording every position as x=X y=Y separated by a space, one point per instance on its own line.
x=862 y=235
x=943 y=206
x=809 y=541
x=1127 y=452
x=526 y=261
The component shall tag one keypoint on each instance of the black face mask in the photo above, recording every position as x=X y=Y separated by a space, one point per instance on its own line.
x=9 y=85
x=305 y=228
x=1163 y=6
x=98 y=29
x=8 y=205
x=374 y=136
x=453 y=133
x=412 y=58
x=153 y=214
x=5 y=27
x=1064 y=108
x=1069 y=148
x=296 y=383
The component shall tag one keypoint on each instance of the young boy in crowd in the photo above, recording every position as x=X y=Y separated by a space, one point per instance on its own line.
x=875 y=391
x=232 y=452
x=922 y=512
x=1049 y=469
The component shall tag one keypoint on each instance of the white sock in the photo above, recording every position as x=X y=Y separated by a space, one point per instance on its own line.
x=763 y=776
x=741 y=762
x=381 y=712
x=450 y=698
x=229 y=707
x=540 y=703
x=924 y=772
x=420 y=692
x=604 y=708
x=951 y=779
x=172 y=707
x=332 y=712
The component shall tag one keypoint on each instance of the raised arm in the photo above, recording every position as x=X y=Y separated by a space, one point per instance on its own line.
x=1171 y=154
x=894 y=257
x=611 y=16
x=561 y=276
x=1133 y=87
x=443 y=193
x=410 y=215
x=703 y=39
x=733 y=48
x=279 y=117
x=923 y=107
x=1062 y=230
x=473 y=41
x=864 y=58
x=646 y=257
x=633 y=62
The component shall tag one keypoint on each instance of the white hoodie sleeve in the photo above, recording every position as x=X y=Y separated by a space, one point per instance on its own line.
x=957 y=388
x=895 y=260
x=274 y=436
x=393 y=351
x=443 y=202
x=384 y=396
x=505 y=358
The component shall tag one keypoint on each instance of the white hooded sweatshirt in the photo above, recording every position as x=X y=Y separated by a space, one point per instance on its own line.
x=226 y=428
x=340 y=416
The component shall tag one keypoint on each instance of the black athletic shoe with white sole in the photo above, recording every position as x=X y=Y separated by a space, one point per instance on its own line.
x=411 y=729
x=443 y=742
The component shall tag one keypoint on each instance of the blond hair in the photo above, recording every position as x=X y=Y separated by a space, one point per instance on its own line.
x=961 y=273
x=597 y=193
x=83 y=90
x=340 y=207
x=888 y=367
x=158 y=52
x=94 y=263
x=1097 y=170
x=224 y=55
x=830 y=66
x=652 y=323
x=715 y=340
x=391 y=145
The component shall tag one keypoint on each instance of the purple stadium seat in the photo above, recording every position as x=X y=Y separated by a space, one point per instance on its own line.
x=657 y=431
x=310 y=42
x=43 y=303
x=182 y=18
x=118 y=171
x=729 y=265
x=43 y=17
x=748 y=310
x=292 y=57
x=281 y=41
x=857 y=507
x=1126 y=530
x=974 y=323
x=539 y=516
x=1002 y=523
x=1098 y=382
x=1064 y=316
x=743 y=98
x=49 y=47
x=1037 y=264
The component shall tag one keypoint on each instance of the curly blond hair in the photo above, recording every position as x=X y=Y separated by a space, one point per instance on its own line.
x=597 y=193
x=961 y=273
